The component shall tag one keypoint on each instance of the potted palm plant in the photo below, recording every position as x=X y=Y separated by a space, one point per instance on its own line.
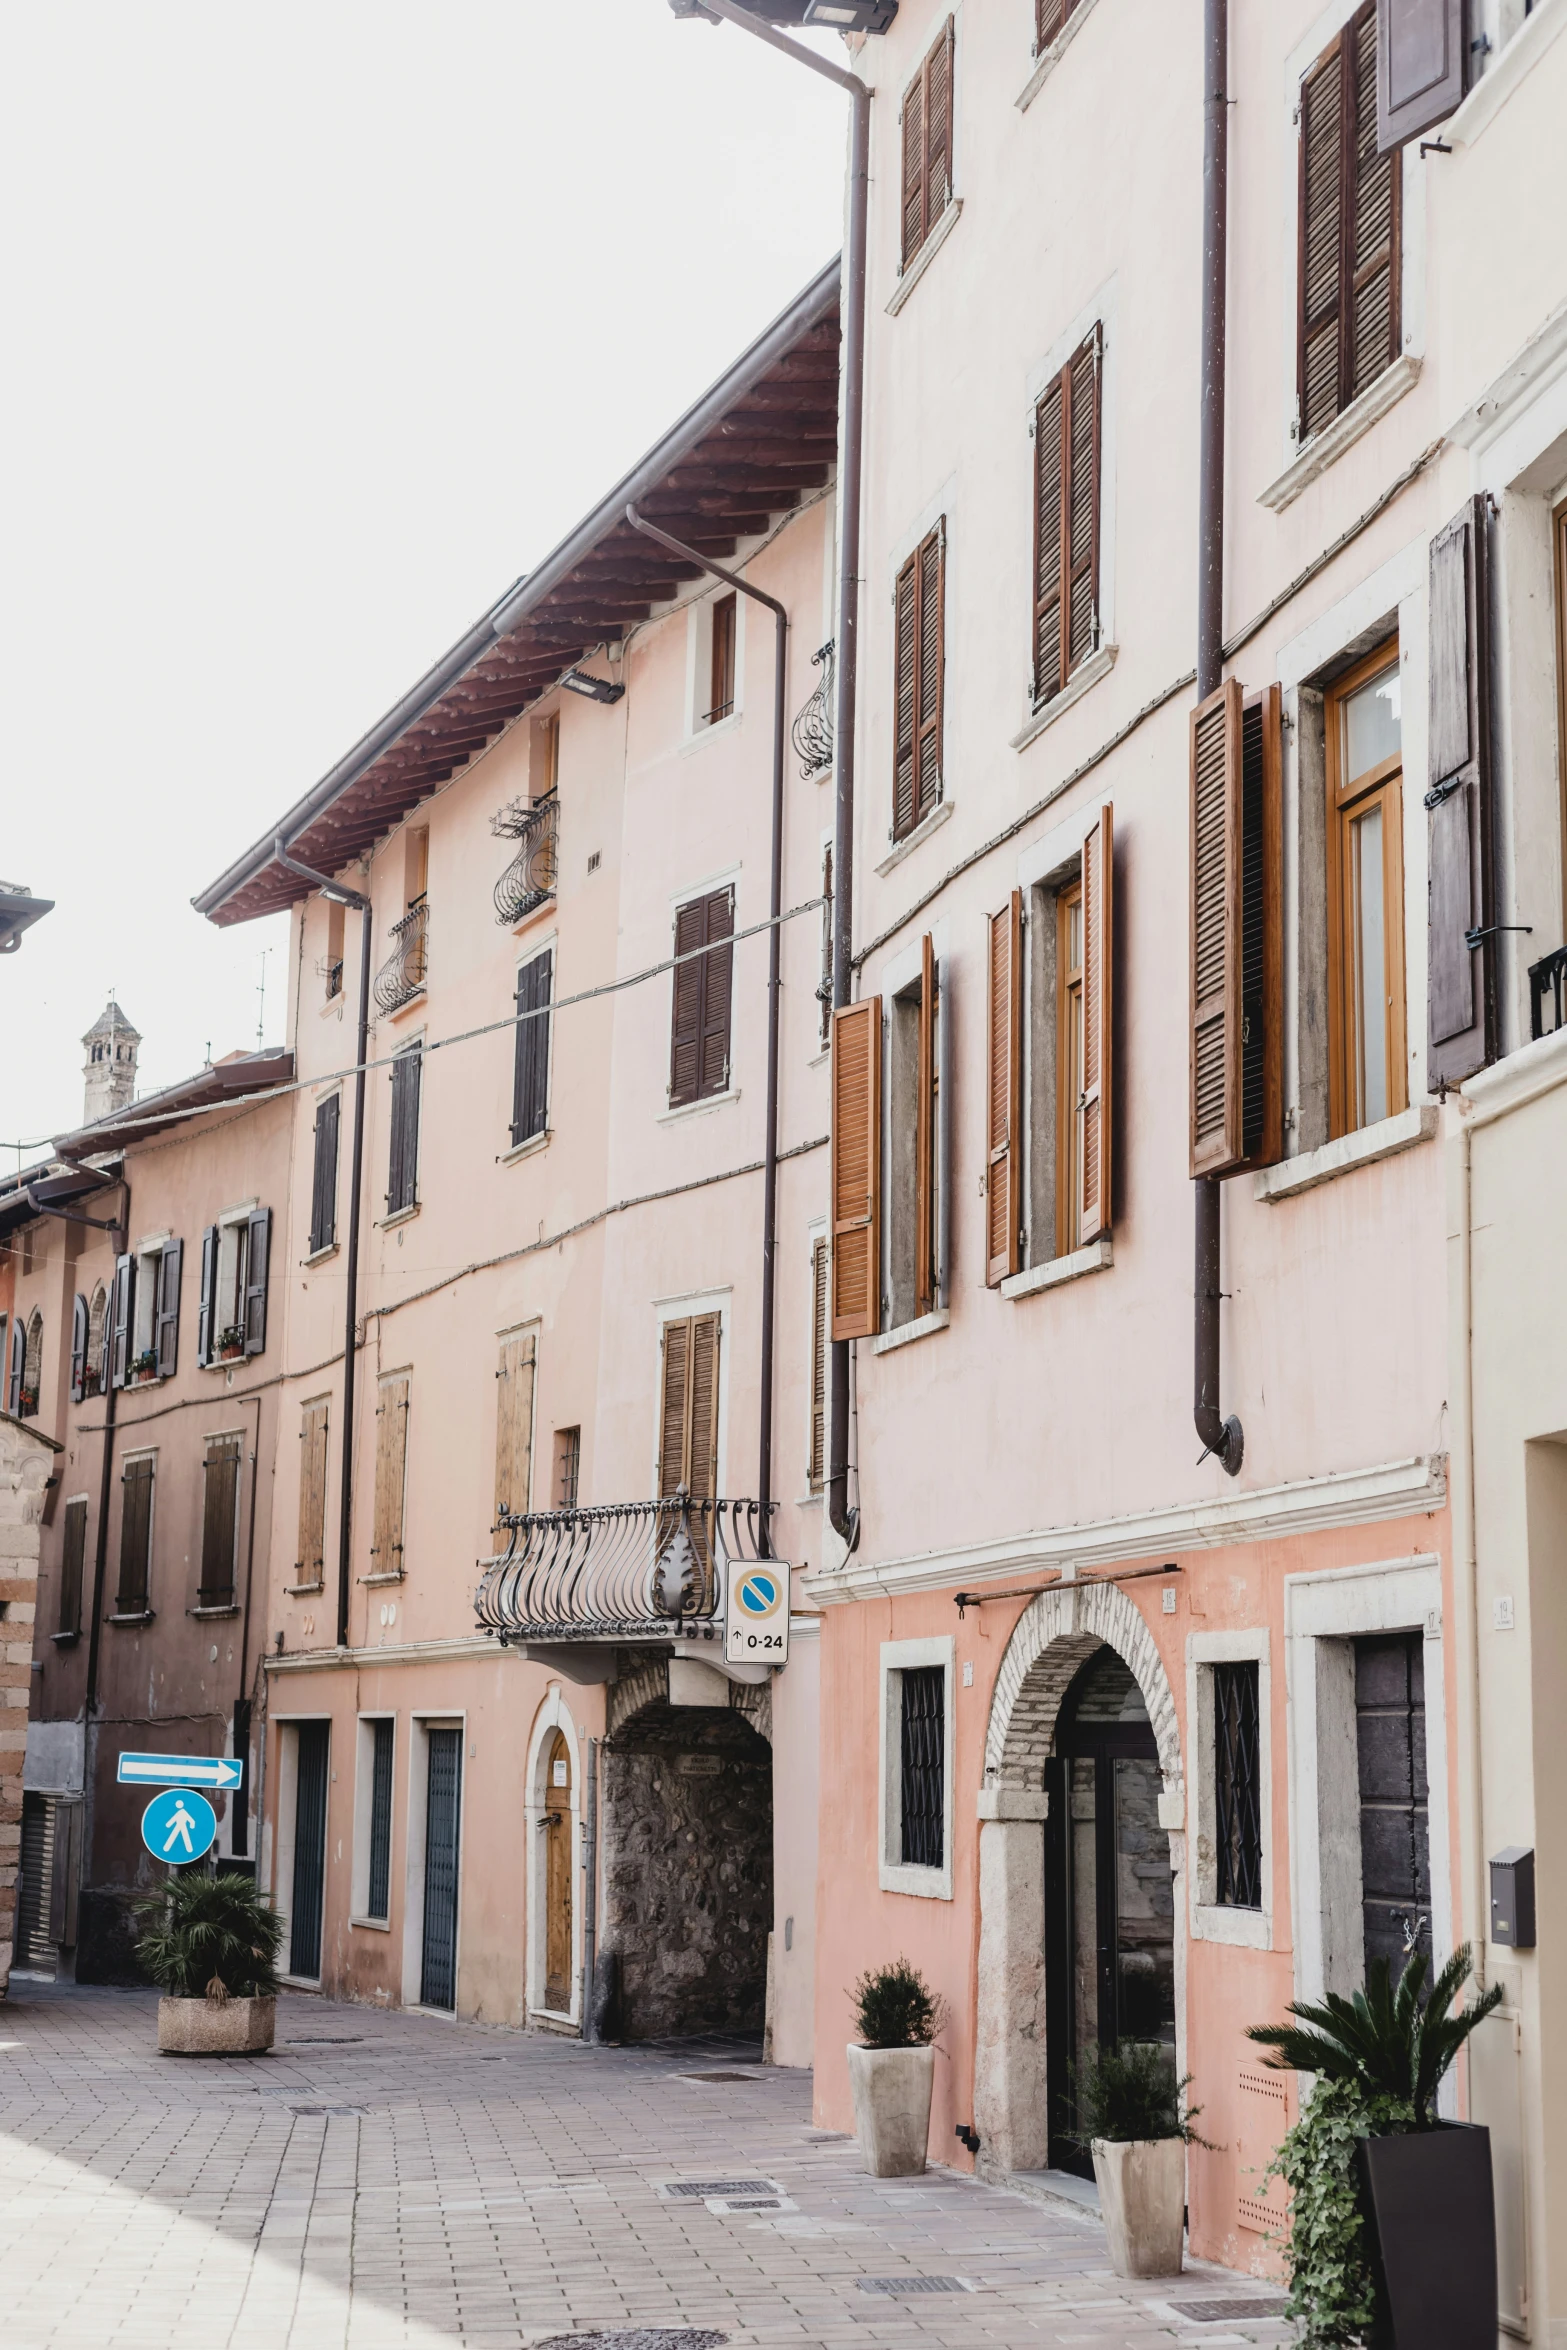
x=892 y=2067
x=1392 y=2223
x=211 y=1945
x=1130 y=2117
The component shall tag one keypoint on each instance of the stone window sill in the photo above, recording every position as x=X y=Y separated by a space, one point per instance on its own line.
x=916 y=839
x=371 y=1925
x=230 y=1607
x=709 y=1101
x=1385 y=1140
x=1051 y=57
x=906 y=1332
x=926 y=255
x=318 y=1256
x=397 y=1575
x=409 y=1003
x=225 y=1362
x=1242 y=1929
x=1327 y=446
x=924 y=1884
x=1087 y=674
x=403 y=1216
x=701 y=733
x=301 y=1590
x=143 y=1615
x=526 y=1150
x=1055 y=1270
x=526 y=921
x=65 y=1639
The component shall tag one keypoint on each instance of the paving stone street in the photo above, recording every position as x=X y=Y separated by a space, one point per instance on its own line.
x=384 y=2180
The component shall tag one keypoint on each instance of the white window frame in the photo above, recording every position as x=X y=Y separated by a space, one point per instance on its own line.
x=1211 y=1919
x=233 y=1266
x=895 y=1875
x=417 y=1783
x=554 y=1714
x=364 y=1804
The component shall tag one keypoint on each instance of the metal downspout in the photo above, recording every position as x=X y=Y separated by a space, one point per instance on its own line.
x=118 y=1234
x=1220 y=1436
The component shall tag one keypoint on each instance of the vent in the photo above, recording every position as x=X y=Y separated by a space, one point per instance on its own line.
x=1212 y=2313
x=915 y=2285
x=698 y=2190
x=638 y=2338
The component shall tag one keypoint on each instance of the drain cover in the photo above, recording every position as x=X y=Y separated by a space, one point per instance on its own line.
x=915 y=2285
x=1212 y=2313
x=716 y=2076
x=326 y=2109
x=328 y=2040
x=698 y=2190
x=637 y=2338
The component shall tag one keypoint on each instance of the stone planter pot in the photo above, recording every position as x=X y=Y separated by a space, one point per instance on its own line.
x=891 y=2089
x=1142 y=2200
x=1432 y=2205
x=206 y=2027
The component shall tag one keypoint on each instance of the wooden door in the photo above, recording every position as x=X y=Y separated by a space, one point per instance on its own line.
x=557 y=1878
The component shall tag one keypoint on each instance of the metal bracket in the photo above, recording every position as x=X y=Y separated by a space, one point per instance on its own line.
x=1435 y=147
x=1443 y=791
x=1473 y=938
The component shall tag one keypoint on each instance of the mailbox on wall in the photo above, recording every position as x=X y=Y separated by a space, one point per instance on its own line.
x=1512 y=1898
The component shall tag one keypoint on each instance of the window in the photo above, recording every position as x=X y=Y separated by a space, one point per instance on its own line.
x=916 y=1768
x=927 y=144
x=1237 y=1787
x=514 y=1384
x=16 y=1363
x=402 y=1182
x=136 y=1490
x=1066 y=521
x=78 y=1347
x=854 y=1180
x=236 y=1256
x=416 y=865
x=155 y=1310
x=378 y=1892
x=1367 y=1078
x=923 y=1762
x=1228 y=1685
x=531 y=1065
x=721 y=676
x=72 y=1556
x=1236 y=1000
x=323 y=1180
x=95 y=1374
x=32 y=1367
x=1049 y=19
x=333 y=970
x=917 y=691
x=913 y=1183
x=391 y=1476
x=817 y=1473
x=568 y=1467
x=310 y=1566
x=220 y=1520
x=1069 y=1122
x=704 y=968
x=1349 y=256
x=544 y=756
x=688 y=1409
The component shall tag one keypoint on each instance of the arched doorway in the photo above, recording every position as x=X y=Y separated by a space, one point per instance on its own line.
x=553 y=1867
x=555 y=1828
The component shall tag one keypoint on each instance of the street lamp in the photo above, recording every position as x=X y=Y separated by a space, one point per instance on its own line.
x=593 y=689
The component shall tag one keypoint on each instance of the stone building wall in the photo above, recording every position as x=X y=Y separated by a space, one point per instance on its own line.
x=26 y=1460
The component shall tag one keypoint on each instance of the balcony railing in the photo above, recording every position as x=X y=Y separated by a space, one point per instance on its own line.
x=1548 y=977
x=634 y=1571
x=403 y=973
x=812 y=730
x=530 y=877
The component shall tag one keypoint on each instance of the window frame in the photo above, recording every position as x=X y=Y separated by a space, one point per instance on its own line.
x=894 y=1874
x=1348 y=800
x=1210 y=1920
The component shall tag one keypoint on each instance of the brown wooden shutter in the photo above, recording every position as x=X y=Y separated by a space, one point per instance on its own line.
x=905 y=788
x=1349 y=253
x=1375 y=178
x=391 y=1462
x=1049 y=17
x=685 y=1047
x=135 y=1536
x=1098 y=959
x=71 y=1562
x=220 y=1505
x=913 y=168
x=1320 y=291
x=514 y=1424
x=1216 y=1136
x=938 y=125
x=1461 y=980
x=674 y=1413
x=310 y=1565
x=820 y=1258
x=717 y=968
x=925 y=1137
x=1066 y=520
x=124 y=1306
x=257 y=1256
x=855 y=1177
x=166 y=1324
x=323 y=1188
x=1049 y=482
x=688 y=1415
x=1262 y=928
x=1421 y=66
x=932 y=622
x=1004 y=1080
x=1082 y=503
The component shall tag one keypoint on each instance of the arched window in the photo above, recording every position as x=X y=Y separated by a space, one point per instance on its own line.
x=95 y=1380
x=32 y=1366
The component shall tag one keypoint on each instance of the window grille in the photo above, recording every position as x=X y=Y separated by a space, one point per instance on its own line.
x=924 y=1765
x=1237 y=1782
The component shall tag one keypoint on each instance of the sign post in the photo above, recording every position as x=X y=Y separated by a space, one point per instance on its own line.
x=756 y=1625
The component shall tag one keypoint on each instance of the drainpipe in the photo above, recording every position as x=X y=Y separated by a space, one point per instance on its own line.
x=239 y=1833
x=590 y=1868
x=1221 y=1437
x=344 y=896
x=764 y=1486
x=845 y=1522
x=119 y=1234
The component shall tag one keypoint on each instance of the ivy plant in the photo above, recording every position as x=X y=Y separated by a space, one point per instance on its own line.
x=1332 y=2283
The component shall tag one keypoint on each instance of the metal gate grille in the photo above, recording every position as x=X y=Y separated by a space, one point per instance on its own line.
x=438 y=1975
x=1237 y=1786
x=33 y=1946
x=924 y=1764
x=1390 y=1737
x=304 y=1939
x=381 y=1822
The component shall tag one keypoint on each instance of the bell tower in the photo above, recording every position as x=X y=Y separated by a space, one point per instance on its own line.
x=109 y=1070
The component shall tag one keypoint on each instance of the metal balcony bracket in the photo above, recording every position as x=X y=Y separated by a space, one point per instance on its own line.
x=529 y=880
x=811 y=733
x=403 y=973
x=632 y=1572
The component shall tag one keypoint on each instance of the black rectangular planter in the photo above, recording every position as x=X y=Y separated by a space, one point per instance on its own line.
x=1434 y=2219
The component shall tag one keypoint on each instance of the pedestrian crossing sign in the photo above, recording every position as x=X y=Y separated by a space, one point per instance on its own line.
x=178 y=1826
x=756 y=1631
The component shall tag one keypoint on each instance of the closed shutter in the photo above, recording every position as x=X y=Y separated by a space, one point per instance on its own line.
x=438 y=1969
x=717 y=969
x=1217 y=1142
x=135 y=1536
x=514 y=1382
x=1461 y=987
x=820 y=1259
x=1098 y=886
x=16 y=1368
x=73 y=1553
x=78 y=1348
x=380 y=1889
x=925 y=1136
x=220 y=1518
x=207 y=1303
x=919 y=625
x=1373 y=264
x=702 y=1477
x=1349 y=252
x=304 y=1921
x=124 y=1300
x=167 y=1333
x=1262 y=929
x=402 y=1188
x=855 y=1177
x=530 y=1068
x=323 y=1187
x=703 y=982
x=1066 y=520
x=391 y=1465
x=1421 y=66
x=913 y=168
x=927 y=144
x=1049 y=17
x=688 y=1415
x=1321 y=261
x=673 y=1407
x=310 y=1566
x=257 y=1255
x=1003 y=1088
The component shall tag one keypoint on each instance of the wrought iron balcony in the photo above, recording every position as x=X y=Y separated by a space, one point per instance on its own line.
x=634 y=1571
x=530 y=877
x=812 y=730
x=1548 y=977
x=403 y=973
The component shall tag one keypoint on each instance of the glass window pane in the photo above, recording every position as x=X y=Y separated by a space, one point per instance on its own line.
x=1370 y=948
x=1372 y=728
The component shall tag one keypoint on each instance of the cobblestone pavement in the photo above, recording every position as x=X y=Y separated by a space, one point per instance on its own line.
x=395 y=2180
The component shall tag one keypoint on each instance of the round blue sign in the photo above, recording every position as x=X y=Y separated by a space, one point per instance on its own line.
x=178 y=1826
x=759 y=1594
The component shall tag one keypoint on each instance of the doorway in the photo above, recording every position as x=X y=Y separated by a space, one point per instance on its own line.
x=1395 y=1843
x=1109 y=1889
x=555 y=1827
x=443 y=1820
x=309 y=1872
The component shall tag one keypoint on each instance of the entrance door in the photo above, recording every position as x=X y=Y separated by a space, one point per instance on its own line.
x=557 y=1878
x=438 y=1974
x=304 y=1917
x=1395 y=1849
x=1109 y=1889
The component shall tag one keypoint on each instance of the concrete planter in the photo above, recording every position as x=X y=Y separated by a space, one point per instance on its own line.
x=1142 y=2200
x=208 y=2027
x=891 y=2089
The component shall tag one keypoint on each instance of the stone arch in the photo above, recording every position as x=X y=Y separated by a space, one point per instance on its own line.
x=1052 y=1639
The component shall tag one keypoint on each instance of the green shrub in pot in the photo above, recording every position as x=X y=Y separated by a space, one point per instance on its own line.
x=1131 y=2093
x=894 y=2007
x=210 y=1937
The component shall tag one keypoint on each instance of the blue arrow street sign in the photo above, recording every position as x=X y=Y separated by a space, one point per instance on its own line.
x=178 y=1826
x=180 y=1770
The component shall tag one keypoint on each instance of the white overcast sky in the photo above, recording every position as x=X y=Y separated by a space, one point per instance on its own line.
x=323 y=323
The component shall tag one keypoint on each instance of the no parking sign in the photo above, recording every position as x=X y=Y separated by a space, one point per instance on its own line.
x=756 y=1630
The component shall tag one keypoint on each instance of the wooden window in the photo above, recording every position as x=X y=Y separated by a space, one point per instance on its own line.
x=1367 y=1073
x=855 y=1178
x=821 y=1254
x=721 y=674
x=221 y=1472
x=1003 y=1089
x=379 y=1891
x=1461 y=992
x=323 y=1180
x=703 y=977
x=1066 y=521
x=136 y=1489
x=72 y=1555
x=1050 y=18
x=923 y=1765
x=568 y=1467
x=402 y=1183
x=1349 y=240
x=78 y=1347
x=530 y=1083
x=1422 y=65
x=688 y=1417
x=927 y=144
x=514 y=1382
x=391 y=1475
x=1236 y=931
x=310 y=1566
x=918 y=660
x=1237 y=1786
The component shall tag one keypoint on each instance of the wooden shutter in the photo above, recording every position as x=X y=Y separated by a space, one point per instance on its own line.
x=919 y=625
x=1349 y=251
x=925 y=1137
x=16 y=1368
x=71 y=1561
x=403 y=1176
x=124 y=1295
x=310 y=1566
x=700 y=1022
x=1049 y=17
x=1422 y=59
x=688 y=1414
x=1217 y=1142
x=257 y=1253
x=220 y=1506
x=927 y=144
x=78 y=1348
x=1372 y=264
x=905 y=791
x=1461 y=981
x=820 y=1257
x=1098 y=888
x=1320 y=291
x=1081 y=503
x=391 y=1463
x=1049 y=503
x=514 y=1382
x=166 y=1335
x=207 y=1303
x=717 y=968
x=673 y=1407
x=1066 y=520
x=530 y=1069
x=1003 y=1089
x=135 y=1536
x=855 y=1177
x=323 y=1189
x=913 y=168
x=1262 y=929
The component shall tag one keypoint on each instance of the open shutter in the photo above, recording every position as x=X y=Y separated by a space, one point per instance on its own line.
x=1461 y=1032
x=1098 y=952
x=717 y=967
x=1320 y=274
x=256 y=1257
x=905 y=790
x=1049 y=482
x=938 y=126
x=78 y=1348
x=702 y=1417
x=1421 y=66
x=674 y=1412
x=1003 y=1089
x=207 y=1303
x=1217 y=1142
x=685 y=1040
x=167 y=1334
x=1262 y=929
x=1371 y=279
x=913 y=168
x=932 y=601
x=124 y=1289
x=323 y=1190
x=310 y=1565
x=17 y=1367
x=820 y=1258
x=1081 y=552
x=855 y=1177
x=925 y=1137
x=514 y=1424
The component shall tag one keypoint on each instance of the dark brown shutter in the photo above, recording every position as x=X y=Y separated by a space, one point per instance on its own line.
x=925 y=1137
x=717 y=968
x=16 y=1369
x=1262 y=929
x=1349 y=254
x=78 y=1348
x=256 y=1257
x=1373 y=261
x=1049 y=17
x=135 y=1536
x=166 y=1334
x=913 y=168
x=530 y=1068
x=672 y=1417
x=402 y=1189
x=1320 y=292
x=1461 y=1030
x=702 y=1467
x=207 y=1302
x=685 y=1047
x=1066 y=520
x=821 y=1255
x=927 y=144
x=905 y=791
x=1216 y=1133
x=1049 y=482
x=71 y=1560
x=1421 y=67
x=1098 y=887
x=855 y=1177
x=920 y=601
x=323 y=1188
x=1003 y=1088
x=124 y=1298
x=220 y=1507
x=1082 y=502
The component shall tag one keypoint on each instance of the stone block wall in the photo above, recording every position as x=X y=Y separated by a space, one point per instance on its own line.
x=26 y=1461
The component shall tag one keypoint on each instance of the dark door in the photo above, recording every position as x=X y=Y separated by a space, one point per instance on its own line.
x=304 y=1932
x=438 y=1975
x=1109 y=1891
x=1395 y=1849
